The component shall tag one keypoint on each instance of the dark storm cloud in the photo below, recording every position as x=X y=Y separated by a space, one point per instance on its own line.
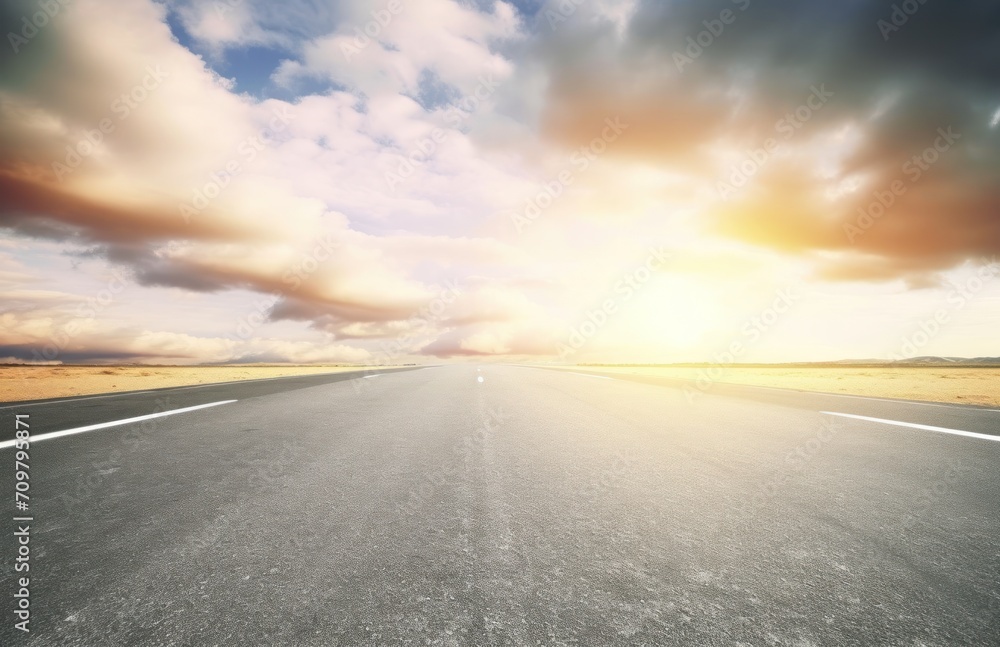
x=93 y=355
x=38 y=209
x=688 y=76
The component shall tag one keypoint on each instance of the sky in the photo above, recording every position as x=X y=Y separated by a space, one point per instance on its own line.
x=580 y=181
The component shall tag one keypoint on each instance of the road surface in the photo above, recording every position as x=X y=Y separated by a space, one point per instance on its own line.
x=506 y=505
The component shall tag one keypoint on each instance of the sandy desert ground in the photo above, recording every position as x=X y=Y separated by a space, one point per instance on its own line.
x=929 y=384
x=39 y=382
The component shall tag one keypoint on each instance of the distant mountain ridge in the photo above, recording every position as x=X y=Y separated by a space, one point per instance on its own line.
x=949 y=361
x=928 y=360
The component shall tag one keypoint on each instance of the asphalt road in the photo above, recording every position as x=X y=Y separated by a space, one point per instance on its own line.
x=531 y=507
x=65 y=413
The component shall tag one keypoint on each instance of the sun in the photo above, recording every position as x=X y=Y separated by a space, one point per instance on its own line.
x=672 y=313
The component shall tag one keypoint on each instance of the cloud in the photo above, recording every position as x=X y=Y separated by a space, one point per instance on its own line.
x=696 y=106
x=51 y=326
x=445 y=37
x=166 y=153
x=381 y=167
x=233 y=24
x=509 y=341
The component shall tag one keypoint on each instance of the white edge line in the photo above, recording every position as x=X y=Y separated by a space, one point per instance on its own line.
x=116 y=423
x=912 y=425
x=600 y=377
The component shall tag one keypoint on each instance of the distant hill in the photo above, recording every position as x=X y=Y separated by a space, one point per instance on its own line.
x=953 y=362
x=948 y=361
